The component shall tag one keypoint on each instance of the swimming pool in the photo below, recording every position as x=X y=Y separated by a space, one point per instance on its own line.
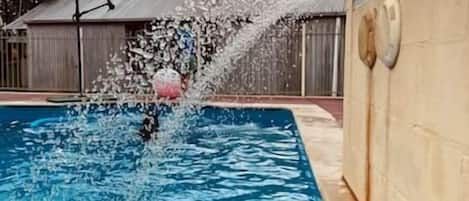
x=227 y=154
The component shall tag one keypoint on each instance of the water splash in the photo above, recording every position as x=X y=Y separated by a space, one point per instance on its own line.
x=222 y=40
x=215 y=73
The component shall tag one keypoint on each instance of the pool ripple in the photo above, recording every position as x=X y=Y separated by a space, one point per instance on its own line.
x=216 y=161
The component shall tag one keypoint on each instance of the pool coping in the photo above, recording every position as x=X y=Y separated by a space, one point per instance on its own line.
x=322 y=137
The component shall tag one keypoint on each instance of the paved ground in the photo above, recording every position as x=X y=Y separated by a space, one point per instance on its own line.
x=19 y=96
x=332 y=105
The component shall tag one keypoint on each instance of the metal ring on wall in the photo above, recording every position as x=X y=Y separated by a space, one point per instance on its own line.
x=366 y=40
x=388 y=32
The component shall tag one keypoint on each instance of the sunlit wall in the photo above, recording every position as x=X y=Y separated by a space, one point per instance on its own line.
x=410 y=124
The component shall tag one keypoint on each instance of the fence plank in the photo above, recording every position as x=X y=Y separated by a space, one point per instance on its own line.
x=2 y=59
x=269 y=68
x=100 y=41
x=53 y=58
x=320 y=51
x=7 y=60
x=16 y=58
x=272 y=67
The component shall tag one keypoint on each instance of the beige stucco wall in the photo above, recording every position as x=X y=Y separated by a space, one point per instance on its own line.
x=419 y=116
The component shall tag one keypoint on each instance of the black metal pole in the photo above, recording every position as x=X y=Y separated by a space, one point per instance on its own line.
x=77 y=19
x=80 y=65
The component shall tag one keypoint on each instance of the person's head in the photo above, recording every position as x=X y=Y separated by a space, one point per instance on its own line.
x=150 y=111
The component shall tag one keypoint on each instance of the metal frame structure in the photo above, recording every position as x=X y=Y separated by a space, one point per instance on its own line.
x=76 y=17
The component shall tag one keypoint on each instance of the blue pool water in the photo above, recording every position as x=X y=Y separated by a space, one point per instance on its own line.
x=226 y=154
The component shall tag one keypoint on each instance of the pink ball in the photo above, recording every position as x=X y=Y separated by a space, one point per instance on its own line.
x=167 y=83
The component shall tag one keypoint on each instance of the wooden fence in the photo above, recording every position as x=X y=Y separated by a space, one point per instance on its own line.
x=303 y=59
x=53 y=56
x=324 y=43
x=13 y=60
x=306 y=59
x=271 y=67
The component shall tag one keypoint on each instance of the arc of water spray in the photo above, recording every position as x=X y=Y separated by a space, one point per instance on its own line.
x=214 y=74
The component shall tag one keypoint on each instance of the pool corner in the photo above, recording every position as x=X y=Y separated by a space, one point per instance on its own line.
x=322 y=136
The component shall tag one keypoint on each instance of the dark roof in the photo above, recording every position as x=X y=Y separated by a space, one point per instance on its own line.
x=61 y=11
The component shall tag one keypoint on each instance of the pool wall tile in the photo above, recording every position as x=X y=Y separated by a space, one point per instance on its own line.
x=355 y=166
x=395 y=195
x=379 y=185
x=446 y=173
x=402 y=84
x=418 y=26
x=465 y=177
x=443 y=100
x=408 y=161
x=450 y=19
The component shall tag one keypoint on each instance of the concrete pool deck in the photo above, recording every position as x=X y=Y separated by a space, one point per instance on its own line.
x=333 y=105
x=318 y=121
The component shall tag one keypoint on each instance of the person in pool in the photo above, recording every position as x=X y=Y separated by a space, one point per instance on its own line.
x=150 y=125
x=171 y=83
